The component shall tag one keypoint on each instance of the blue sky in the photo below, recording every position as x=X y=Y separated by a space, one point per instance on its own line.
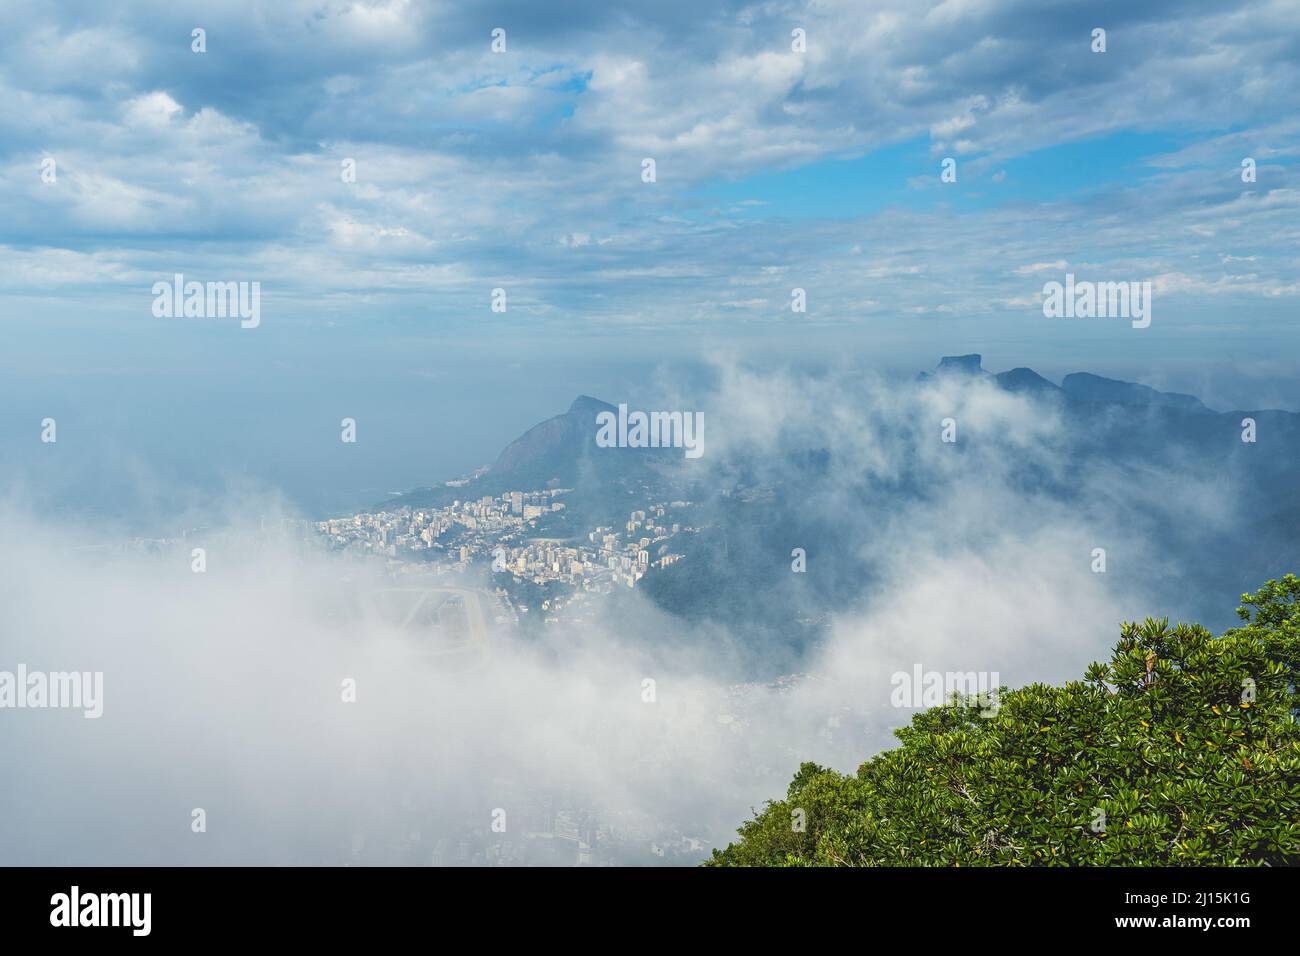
x=848 y=188
x=521 y=170
x=478 y=169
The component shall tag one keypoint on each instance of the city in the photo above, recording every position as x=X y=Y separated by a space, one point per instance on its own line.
x=508 y=531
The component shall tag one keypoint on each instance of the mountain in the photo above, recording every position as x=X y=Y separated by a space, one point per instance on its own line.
x=962 y=365
x=1077 y=386
x=1026 y=380
x=556 y=443
x=1086 y=387
x=560 y=452
x=1170 y=447
x=953 y=365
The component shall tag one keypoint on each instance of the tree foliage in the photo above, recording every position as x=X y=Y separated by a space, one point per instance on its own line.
x=1182 y=750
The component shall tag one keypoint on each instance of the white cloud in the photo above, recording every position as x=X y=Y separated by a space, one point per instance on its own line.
x=152 y=110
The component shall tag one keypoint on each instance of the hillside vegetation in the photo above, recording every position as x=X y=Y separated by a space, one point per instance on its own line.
x=1182 y=750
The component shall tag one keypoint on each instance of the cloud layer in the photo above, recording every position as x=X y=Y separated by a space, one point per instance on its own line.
x=521 y=169
x=223 y=689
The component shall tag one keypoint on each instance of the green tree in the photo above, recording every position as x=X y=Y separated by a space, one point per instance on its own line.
x=1183 y=750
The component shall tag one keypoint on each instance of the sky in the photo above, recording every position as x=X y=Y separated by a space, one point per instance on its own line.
x=776 y=168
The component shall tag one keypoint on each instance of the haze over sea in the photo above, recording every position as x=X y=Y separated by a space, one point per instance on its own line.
x=215 y=414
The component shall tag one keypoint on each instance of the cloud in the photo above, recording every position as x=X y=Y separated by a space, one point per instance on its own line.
x=1058 y=266
x=223 y=689
x=487 y=157
x=151 y=110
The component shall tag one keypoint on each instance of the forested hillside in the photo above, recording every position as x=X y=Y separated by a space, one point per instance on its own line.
x=1182 y=749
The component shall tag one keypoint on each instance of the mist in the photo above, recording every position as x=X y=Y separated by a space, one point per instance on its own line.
x=271 y=692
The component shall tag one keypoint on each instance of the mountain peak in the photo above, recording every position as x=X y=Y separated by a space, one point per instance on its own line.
x=1086 y=387
x=586 y=405
x=1025 y=380
x=968 y=364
